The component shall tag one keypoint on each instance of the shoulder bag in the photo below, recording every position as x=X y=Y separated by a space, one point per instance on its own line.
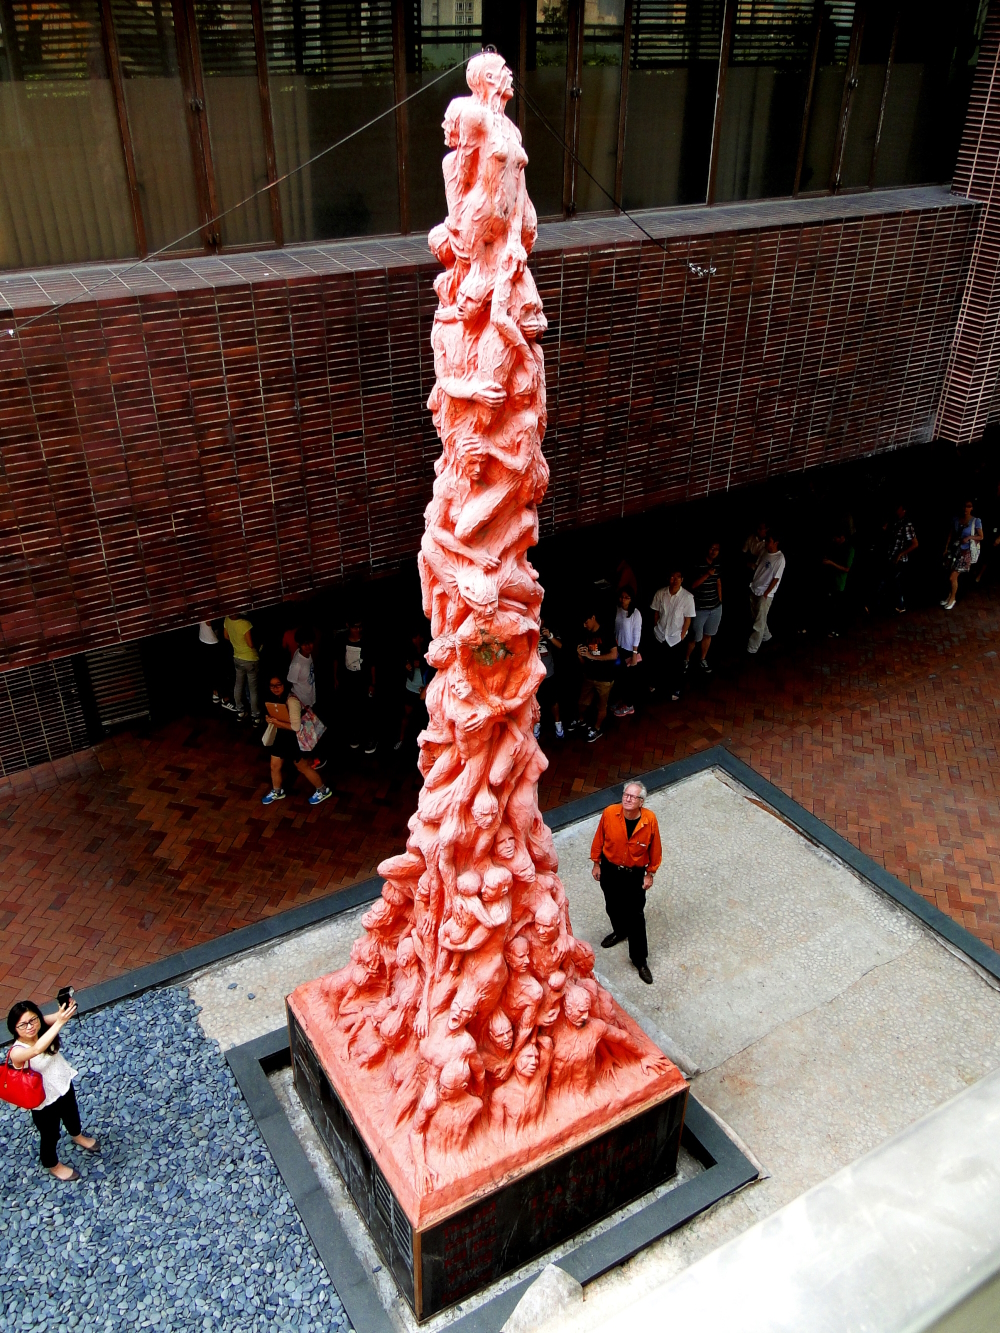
x=21 y=1087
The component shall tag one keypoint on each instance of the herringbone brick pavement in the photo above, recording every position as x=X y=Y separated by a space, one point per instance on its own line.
x=150 y=844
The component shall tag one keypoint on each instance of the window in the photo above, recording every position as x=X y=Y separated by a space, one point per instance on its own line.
x=64 y=193
x=154 y=98
x=439 y=34
x=834 y=46
x=543 y=122
x=330 y=70
x=673 y=71
x=765 y=97
x=600 y=90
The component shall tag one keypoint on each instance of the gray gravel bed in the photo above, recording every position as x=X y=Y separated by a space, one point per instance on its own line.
x=182 y=1222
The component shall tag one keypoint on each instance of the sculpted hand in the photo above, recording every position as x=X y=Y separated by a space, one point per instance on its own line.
x=490 y=394
x=426 y=928
x=654 y=1064
x=420 y=1023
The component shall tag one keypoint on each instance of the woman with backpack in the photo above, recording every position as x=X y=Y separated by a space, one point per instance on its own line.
x=36 y=1047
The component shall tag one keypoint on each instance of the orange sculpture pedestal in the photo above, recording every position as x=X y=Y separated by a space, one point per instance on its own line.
x=502 y=1200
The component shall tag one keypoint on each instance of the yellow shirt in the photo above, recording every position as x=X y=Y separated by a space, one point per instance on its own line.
x=238 y=631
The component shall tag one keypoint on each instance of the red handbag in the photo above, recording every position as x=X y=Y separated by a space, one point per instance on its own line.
x=21 y=1087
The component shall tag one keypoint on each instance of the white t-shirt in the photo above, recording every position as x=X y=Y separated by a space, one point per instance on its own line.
x=302 y=678
x=769 y=567
x=673 y=609
x=56 y=1071
x=628 y=630
x=206 y=634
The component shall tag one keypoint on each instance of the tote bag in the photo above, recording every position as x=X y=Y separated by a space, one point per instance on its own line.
x=310 y=731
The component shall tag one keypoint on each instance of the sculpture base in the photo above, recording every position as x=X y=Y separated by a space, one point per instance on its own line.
x=440 y=1252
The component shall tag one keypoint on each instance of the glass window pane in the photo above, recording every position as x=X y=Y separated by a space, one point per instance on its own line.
x=154 y=99
x=235 y=126
x=929 y=88
x=63 y=189
x=673 y=71
x=765 y=98
x=545 y=104
x=866 y=100
x=600 y=83
x=329 y=71
x=828 y=91
x=443 y=33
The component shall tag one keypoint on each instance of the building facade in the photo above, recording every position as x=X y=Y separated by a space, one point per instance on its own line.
x=769 y=240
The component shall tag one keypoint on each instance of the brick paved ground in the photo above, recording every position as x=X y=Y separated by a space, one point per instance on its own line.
x=151 y=844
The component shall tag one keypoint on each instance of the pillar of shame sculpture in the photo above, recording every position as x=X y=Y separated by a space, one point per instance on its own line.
x=468 y=1038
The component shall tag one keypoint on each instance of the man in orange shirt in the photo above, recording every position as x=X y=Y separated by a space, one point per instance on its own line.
x=626 y=854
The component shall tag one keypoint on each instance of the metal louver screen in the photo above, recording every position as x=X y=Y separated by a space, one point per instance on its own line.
x=667 y=33
x=772 y=32
x=41 y=718
x=146 y=44
x=345 y=44
x=55 y=41
x=119 y=685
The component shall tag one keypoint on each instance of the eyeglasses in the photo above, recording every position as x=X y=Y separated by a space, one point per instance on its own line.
x=26 y=1023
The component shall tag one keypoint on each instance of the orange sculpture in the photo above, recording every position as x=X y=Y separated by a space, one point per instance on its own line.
x=468 y=1037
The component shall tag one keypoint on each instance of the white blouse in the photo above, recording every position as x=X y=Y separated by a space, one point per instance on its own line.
x=628 y=630
x=56 y=1071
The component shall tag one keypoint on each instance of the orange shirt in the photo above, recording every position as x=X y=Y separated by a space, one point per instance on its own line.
x=642 y=849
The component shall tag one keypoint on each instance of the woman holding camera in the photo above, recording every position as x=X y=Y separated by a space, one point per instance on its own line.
x=36 y=1044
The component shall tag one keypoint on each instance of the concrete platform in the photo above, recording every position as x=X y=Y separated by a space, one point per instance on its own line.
x=822 y=1017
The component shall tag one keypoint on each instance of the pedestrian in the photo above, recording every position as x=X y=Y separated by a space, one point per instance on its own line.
x=36 y=1044
x=753 y=547
x=706 y=587
x=213 y=667
x=354 y=680
x=284 y=715
x=238 y=630
x=549 y=643
x=628 y=633
x=302 y=669
x=416 y=677
x=763 y=586
x=902 y=542
x=837 y=565
x=673 y=610
x=961 y=549
x=626 y=854
x=598 y=661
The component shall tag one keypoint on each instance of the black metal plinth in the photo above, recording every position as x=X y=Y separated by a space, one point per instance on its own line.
x=497 y=1233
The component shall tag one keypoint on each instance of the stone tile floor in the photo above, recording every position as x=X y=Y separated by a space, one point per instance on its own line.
x=153 y=843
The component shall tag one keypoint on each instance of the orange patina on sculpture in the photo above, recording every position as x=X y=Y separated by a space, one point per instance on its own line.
x=468 y=1037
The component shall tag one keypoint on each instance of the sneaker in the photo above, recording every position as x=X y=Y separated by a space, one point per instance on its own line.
x=705 y=667
x=687 y=663
x=371 y=747
x=229 y=706
x=318 y=797
x=560 y=731
x=621 y=710
x=275 y=794
x=675 y=696
x=215 y=697
x=242 y=717
x=628 y=711
x=355 y=745
x=944 y=601
x=575 y=725
x=593 y=734
x=949 y=606
x=537 y=730
x=398 y=745
x=751 y=650
x=257 y=719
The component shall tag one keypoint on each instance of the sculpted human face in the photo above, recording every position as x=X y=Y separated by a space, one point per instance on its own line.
x=505 y=846
x=631 y=802
x=576 y=1013
x=461 y=1013
x=547 y=930
x=527 y=1060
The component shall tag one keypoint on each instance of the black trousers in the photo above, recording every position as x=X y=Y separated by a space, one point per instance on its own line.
x=47 y=1120
x=625 y=900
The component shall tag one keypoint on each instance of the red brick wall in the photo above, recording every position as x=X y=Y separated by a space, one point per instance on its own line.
x=199 y=436
x=971 y=396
